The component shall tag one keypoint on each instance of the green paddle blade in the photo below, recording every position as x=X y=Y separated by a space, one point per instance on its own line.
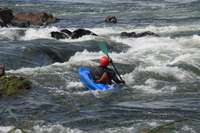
x=103 y=48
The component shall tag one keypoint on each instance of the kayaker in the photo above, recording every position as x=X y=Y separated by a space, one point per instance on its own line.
x=104 y=75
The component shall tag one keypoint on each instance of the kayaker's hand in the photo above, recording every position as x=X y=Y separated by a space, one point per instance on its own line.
x=122 y=81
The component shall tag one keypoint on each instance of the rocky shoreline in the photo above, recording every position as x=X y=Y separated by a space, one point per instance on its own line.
x=25 y=19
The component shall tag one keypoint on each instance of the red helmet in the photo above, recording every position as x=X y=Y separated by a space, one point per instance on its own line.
x=104 y=61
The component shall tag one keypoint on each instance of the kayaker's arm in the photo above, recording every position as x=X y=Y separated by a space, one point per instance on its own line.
x=115 y=78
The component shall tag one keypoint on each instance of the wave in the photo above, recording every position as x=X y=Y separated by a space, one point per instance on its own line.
x=44 y=32
x=147 y=59
x=41 y=129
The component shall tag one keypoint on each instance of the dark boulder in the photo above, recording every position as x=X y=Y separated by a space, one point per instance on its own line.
x=81 y=32
x=146 y=33
x=68 y=34
x=6 y=16
x=133 y=34
x=66 y=31
x=59 y=35
x=111 y=19
x=125 y=34
x=2 y=23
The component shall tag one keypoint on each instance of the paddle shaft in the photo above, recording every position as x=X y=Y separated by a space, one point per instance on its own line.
x=115 y=68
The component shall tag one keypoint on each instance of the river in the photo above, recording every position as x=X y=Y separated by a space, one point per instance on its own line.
x=162 y=74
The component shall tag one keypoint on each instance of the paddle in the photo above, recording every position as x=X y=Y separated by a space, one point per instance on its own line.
x=104 y=49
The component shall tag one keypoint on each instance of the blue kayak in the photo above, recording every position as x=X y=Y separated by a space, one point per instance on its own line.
x=86 y=80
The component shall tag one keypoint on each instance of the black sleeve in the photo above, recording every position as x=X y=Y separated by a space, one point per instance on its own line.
x=114 y=76
x=117 y=80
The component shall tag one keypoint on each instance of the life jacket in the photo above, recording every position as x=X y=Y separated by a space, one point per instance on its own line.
x=104 y=79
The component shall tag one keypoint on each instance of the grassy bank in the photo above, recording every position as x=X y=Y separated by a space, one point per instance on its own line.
x=13 y=84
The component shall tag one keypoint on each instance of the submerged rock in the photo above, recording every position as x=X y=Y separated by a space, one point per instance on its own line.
x=133 y=34
x=52 y=55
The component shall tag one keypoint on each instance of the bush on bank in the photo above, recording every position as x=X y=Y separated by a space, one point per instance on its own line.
x=13 y=84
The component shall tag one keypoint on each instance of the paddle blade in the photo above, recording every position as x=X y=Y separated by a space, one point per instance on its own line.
x=103 y=48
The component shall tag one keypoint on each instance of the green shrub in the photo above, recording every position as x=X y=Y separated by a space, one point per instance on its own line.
x=13 y=84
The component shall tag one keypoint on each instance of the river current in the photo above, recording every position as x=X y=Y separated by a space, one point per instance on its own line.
x=162 y=73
